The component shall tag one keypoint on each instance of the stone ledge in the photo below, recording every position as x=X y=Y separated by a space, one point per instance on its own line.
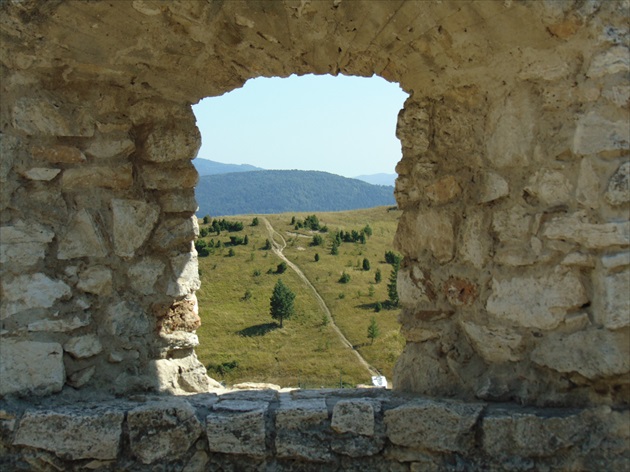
x=304 y=430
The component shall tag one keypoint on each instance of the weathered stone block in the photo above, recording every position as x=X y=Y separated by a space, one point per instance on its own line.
x=495 y=344
x=539 y=301
x=175 y=231
x=238 y=427
x=432 y=232
x=595 y=353
x=618 y=191
x=82 y=347
x=550 y=187
x=474 y=247
x=414 y=287
x=178 y=201
x=595 y=134
x=44 y=174
x=434 y=425
x=444 y=190
x=73 y=433
x=493 y=187
x=182 y=315
x=125 y=319
x=301 y=426
x=527 y=434
x=81 y=377
x=61 y=325
x=144 y=274
x=158 y=177
x=57 y=154
x=178 y=376
x=23 y=244
x=31 y=291
x=165 y=144
x=30 y=367
x=48 y=117
x=612 y=61
x=351 y=416
x=114 y=177
x=614 y=311
x=133 y=221
x=162 y=430
x=186 y=275
x=81 y=239
x=588 y=186
x=107 y=147
x=96 y=279
x=576 y=228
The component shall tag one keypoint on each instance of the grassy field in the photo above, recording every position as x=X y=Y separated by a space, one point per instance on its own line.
x=240 y=342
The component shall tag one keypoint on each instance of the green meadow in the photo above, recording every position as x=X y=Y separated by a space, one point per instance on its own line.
x=240 y=342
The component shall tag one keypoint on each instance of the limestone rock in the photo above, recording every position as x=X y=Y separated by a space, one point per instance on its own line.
x=125 y=319
x=178 y=376
x=540 y=65
x=460 y=292
x=108 y=147
x=178 y=201
x=593 y=236
x=96 y=279
x=81 y=377
x=62 y=325
x=493 y=187
x=185 y=275
x=618 y=94
x=75 y=433
x=495 y=344
x=527 y=434
x=536 y=301
x=474 y=247
x=182 y=315
x=351 y=416
x=434 y=425
x=115 y=177
x=550 y=187
x=297 y=422
x=594 y=353
x=614 y=261
x=444 y=190
x=46 y=116
x=432 y=230
x=133 y=221
x=616 y=59
x=512 y=225
x=30 y=367
x=595 y=134
x=41 y=173
x=165 y=144
x=241 y=431
x=58 y=154
x=82 y=347
x=160 y=177
x=81 y=239
x=588 y=186
x=510 y=131
x=614 y=312
x=31 y=291
x=618 y=192
x=23 y=244
x=414 y=287
x=178 y=340
x=175 y=231
x=162 y=430
x=144 y=274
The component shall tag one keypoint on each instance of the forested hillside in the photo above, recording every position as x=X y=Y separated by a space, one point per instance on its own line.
x=279 y=191
x=208 y=167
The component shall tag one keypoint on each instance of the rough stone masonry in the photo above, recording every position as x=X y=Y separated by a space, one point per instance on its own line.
x=515 y=228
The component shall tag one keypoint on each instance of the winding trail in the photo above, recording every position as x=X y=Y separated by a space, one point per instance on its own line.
x=277 y=249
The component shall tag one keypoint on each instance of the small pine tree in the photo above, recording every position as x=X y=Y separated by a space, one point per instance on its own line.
x=373 y=332
x=392 y=290
x=367 y=230
x=267 y=245
x=378 y=276
x=316 y=257
x=366 y=264
x=317 y=240
x=255 y=221
x=292 y=221
x=378 y=307
x=282 y=306
x=231 y=253
x=206 y=219
x=245 y=240
x=282 y=267
x=335 y=249
x=345 y=278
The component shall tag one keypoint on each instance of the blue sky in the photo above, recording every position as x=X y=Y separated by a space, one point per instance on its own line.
x=343 y=125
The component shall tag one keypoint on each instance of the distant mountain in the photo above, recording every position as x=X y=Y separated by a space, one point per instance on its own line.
x=378 y=179
x=208 y=167
x=278 y=191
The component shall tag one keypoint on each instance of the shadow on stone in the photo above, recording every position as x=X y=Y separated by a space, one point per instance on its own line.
x=258 y=330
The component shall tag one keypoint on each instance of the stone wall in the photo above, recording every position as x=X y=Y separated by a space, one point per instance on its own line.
x=323 y=430
x=513 y=185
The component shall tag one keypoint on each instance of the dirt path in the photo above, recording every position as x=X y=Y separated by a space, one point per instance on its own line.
x=277 y=248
